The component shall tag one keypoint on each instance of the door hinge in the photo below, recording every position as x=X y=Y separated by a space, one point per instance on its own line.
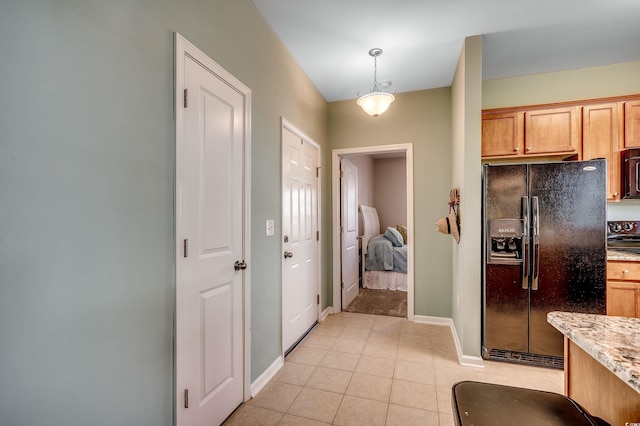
x=185 y=248
x=318 y=302
x=186 y=398
x=317 y=235
x=341 y=174
x=317 y=171
x=341 y=229
x=342 y=286
x=186 y=98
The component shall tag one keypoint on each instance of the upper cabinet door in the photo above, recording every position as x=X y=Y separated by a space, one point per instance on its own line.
x=601 y=135
x=502 y=134
x=632 y=124
x=552 y=131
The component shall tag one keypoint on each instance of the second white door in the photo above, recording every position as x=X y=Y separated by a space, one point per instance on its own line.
x=350 y=274
x=299 y=237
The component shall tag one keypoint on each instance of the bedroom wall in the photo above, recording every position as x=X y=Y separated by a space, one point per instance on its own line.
x=87 y=201
x=390 y=191
x=422 y=118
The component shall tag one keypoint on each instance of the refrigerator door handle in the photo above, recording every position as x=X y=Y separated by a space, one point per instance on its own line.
x=535 y=251
x=525 y=242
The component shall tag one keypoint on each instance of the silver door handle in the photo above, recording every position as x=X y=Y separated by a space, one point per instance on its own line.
x=535 y=259
x=240 y=265
x=288 y=255
x=524 y=201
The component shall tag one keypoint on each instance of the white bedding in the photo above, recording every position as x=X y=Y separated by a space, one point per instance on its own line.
x=387 y=280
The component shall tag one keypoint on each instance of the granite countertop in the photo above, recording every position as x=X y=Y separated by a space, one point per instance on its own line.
x=613 y=254
x=613 y=341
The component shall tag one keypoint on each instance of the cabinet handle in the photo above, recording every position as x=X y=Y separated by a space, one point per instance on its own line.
x=625 y=271
x=615 y=194
x=517 y=148
x=529 y=148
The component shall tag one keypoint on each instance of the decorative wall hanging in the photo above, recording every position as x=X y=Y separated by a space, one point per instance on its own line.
x=450 y=224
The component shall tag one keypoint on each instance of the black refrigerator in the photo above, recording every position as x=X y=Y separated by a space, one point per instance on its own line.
x=544 y=249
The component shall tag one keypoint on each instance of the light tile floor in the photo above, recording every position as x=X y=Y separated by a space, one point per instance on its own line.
x=359 y=369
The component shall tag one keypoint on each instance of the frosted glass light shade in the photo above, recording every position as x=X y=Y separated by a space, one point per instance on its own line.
x=375 y=103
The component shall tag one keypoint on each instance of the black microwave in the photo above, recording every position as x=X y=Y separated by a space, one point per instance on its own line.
x=631 y=173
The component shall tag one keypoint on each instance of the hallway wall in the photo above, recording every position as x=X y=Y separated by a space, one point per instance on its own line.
x=87 y=162
x=422 y=118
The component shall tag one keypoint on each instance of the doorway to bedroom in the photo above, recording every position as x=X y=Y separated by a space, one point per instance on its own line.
x=383 y=200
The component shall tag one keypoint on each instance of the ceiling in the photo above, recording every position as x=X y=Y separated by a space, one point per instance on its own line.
x=422 y=39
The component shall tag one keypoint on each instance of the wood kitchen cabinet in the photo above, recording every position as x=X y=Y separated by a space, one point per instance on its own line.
x=602 y=133
x=632 y=124
x=587 y=129
x=552 y=131
x=531 y=132
x=623 y=289
x=503 y=134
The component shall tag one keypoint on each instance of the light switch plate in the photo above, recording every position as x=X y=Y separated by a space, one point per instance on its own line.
x=270 y=227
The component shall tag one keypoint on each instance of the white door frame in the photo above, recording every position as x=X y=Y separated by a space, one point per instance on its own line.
x=182 y=47
x=336 y=154
x=291 y=127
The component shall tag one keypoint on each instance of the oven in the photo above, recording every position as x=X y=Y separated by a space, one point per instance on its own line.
x=624 y=236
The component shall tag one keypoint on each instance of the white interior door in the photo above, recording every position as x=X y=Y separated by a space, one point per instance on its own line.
x=209 y=233
x=349 y=227
x=299 y=237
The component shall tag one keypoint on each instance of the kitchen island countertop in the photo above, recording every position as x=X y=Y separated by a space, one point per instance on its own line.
x=612 y=341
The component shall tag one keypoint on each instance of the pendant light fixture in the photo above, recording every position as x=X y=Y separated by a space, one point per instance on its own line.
x=376 y=102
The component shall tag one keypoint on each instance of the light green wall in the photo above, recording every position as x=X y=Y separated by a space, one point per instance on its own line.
x=422 y=118
x=584 y=83
x=87 y=198
x=87 y=182
x=467 y=175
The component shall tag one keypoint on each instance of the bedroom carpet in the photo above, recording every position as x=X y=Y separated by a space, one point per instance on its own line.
x=380 y=302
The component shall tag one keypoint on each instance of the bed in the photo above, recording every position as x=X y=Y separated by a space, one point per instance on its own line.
x=385 y=255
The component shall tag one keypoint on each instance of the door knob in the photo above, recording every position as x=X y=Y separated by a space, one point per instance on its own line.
x=240 y=265
x=288 y=255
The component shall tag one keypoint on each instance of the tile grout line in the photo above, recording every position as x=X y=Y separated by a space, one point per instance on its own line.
x=389 y=334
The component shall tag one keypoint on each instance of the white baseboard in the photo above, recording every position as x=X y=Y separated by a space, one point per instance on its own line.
x=324 y=314
x=423 y=319
x=468 y=360
x=264 y=378
x=260 y=382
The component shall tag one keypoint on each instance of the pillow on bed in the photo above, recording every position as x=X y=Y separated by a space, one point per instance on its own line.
x=394 y=236
x=403 y=231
